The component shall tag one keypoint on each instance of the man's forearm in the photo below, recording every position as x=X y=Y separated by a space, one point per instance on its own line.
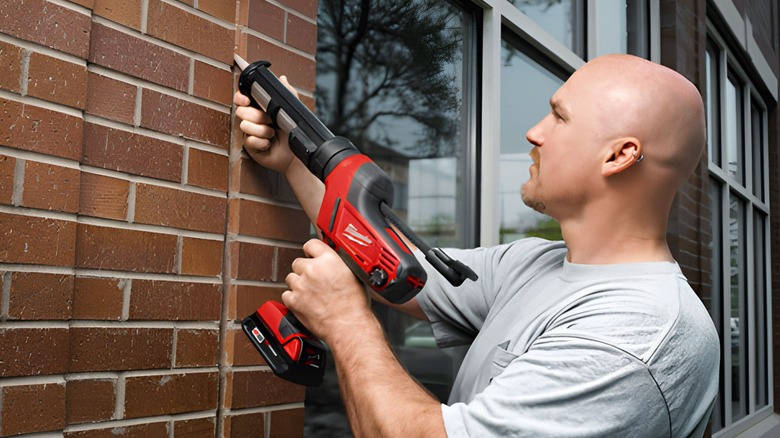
x=308 y=189
x=381 y=399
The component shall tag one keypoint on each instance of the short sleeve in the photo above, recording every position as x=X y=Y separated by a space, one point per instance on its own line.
x=458 y=313
x=564 y=387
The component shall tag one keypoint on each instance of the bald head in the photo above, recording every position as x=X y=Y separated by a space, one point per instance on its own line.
x=658 y=106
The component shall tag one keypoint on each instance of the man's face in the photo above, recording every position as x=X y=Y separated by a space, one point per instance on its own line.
x=564 y=155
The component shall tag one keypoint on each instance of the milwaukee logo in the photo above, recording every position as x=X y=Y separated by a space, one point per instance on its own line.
x=354 y=235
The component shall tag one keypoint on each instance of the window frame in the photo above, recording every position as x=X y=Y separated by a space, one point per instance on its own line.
x=755 y=202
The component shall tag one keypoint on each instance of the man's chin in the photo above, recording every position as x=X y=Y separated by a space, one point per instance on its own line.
x=533 y=202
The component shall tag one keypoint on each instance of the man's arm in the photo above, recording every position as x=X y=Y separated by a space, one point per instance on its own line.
x=382 y=400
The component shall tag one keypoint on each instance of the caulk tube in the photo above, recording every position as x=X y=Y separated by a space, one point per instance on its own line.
x=310 y=140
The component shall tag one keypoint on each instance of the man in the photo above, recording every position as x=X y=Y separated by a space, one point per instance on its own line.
x=601 y=336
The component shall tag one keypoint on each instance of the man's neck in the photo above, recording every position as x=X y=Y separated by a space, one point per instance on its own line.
x=616 y=241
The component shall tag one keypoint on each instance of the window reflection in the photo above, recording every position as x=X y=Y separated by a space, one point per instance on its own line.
x=526 y=88
x=738 y=308
x=734 y=130
x=563 y=19
x=397 y=79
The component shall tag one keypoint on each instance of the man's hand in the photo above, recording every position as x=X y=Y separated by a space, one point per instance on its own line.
x=324 y=293
x=263 y=143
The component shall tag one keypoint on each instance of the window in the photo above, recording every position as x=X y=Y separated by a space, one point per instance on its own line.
x=737 y=148
x=399 y=80
x=563 y=19
x=526 y=88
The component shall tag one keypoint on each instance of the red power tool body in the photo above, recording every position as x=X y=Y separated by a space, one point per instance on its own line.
x=355 y=219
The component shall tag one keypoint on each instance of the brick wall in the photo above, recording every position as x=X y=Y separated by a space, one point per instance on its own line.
x=135 y=232
x=683 y=45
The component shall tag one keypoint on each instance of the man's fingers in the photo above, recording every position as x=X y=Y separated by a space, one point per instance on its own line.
x=286 y=83
x=316 y=248
x=261 y=131
x=240 y=100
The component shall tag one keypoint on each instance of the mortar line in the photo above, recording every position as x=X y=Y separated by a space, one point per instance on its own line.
x=144 y=16
x=173 y=346
x=37 y=48
x=101 y=273
x=131 y=202
x=191 y=84
x=32 y=380
x=6 y=300
x=137 y=110
x=25 y=73
x=119 y=403
x=127 y=290
x=40 y=103
x=39 y=157
x=185 y=159
x=179 y=251
x=19 y=174
x=181 y=141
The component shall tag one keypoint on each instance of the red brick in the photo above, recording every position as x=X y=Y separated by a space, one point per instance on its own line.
x=125 y=250
x=201 y=257
x=37 y=296
x=110 y=98
x=57 y=81
x=177 y=26
x=47 y=24
x=148 y=430
x=119 y=349
x=175 y=208
x=21 y=353
x=127 y=152
x=195 y=428
x=179 y=117
x=103 y=196
x=7 y=170
x=255 y=261
x=273 y=221
x=243 y=390
x=175 y=301
x=248 y=298
x=37 y=129
x=306 y=7
x=126 y=12
x=196 y=348
x=90 y=400
x=37 y=241
x=300 y=71
x=244 y=425
x=213 y=83
x=301 y=34
x=32 y=408
x=287 y=423
x=11 y=58
x=51 y=187
x=170 y=394
x=222 y=9
x=284 y=259
x=264 y=17
x=98 y=298
x=207 y=170
x=128 y=54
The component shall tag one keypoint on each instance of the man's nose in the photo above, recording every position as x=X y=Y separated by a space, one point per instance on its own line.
x=534 y=135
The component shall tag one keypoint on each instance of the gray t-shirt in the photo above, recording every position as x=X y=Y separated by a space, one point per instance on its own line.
x=561 y=349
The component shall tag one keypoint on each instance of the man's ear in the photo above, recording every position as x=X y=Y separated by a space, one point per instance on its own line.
x=624 y=153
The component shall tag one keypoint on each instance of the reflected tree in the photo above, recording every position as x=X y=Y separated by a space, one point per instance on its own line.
x=384 y=64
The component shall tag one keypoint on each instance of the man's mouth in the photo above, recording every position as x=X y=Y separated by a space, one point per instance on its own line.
x=535 y=155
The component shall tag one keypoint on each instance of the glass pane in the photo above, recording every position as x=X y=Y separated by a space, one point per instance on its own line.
x=738 y=308
x=757 y=138
x=526 y=88
x=713 y=103
x=395 y=78
x=760 y=271
x=563 y=19
x=734 y=130
x=716 y=279
x=638 y=28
